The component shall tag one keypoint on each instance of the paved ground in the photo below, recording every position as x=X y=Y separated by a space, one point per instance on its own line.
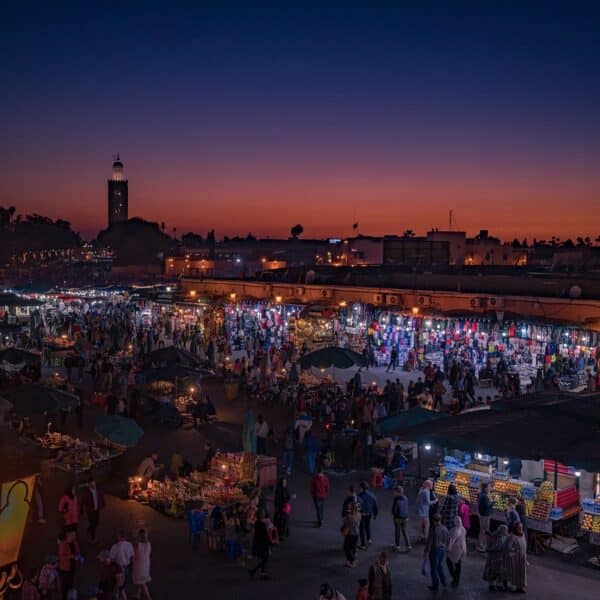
x=301 y=563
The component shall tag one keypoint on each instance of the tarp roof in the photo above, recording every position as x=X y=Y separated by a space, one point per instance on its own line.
x=395 y=424
x=568 y=431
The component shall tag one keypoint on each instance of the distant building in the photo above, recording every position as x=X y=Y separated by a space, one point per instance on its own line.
x=485 y=250
x=415 y=252
x=118 y=201
x=457 y=241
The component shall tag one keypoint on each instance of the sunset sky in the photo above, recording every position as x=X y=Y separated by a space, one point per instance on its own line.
x=254 y=116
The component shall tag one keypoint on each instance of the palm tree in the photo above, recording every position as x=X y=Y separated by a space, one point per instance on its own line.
x=297 y=231
x=408 y=233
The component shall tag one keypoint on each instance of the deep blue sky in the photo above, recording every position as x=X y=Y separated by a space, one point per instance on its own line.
x=244 y=115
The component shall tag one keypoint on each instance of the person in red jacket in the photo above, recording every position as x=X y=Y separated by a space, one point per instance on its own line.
x=92 y=502
x=68 y=508
x=68 y=554
x=319 y=490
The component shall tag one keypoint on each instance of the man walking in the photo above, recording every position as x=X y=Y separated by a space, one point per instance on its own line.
x=400 y=516
x=289 y=446
x=435 y=550
x=311 y=447
x=369 y=510
x=380 y=579
x=319 y=490
x=92 y=502
x=423 y=506
x=484 y=507
x=261 y=429
x=121 y=553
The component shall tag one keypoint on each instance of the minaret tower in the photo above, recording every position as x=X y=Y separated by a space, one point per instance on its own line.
x=118 y=208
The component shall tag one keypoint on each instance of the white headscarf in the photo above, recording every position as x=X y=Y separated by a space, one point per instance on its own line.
x=457 y=541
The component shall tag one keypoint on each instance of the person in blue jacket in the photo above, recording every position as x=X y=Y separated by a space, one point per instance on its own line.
x=369 y=510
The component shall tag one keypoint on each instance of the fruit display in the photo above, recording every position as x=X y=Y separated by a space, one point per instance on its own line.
x=546 y=492
x=500 y=501
x=441 y=487
x=510 y=488
x=462 y=477
x=462 y=489
x=529 y=507
x=473 y=494
x=541 y=510
x=591 y=523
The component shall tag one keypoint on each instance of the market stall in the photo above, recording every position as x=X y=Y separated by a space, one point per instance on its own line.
x=547 y=508
x=230 y=480
x=72 y=455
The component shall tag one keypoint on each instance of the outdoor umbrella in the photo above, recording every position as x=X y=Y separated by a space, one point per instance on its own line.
x=172 y=372
x=395 y=424
x=340 y=358
x=172 y=356
x=119 y=430
x=31 y=398
x=17 y=356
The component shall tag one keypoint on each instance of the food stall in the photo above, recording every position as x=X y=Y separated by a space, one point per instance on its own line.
x=551 y=503
x=72 y=455
x=230 y=480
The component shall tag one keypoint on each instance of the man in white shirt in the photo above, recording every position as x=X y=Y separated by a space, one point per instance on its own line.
x=148 y=468
x=261 y=429
x=121 y=553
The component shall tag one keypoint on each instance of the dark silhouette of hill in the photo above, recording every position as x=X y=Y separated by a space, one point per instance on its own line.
x=136 y=242
x=33 y=233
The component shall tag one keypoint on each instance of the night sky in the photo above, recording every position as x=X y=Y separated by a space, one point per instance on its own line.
x=253 y=116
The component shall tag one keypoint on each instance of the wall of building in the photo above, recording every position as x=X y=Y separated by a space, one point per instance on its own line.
x=415 y=251
x=457 y=244
x=575 y=311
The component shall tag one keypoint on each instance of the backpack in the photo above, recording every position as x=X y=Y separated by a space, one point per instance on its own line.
x=47 y=579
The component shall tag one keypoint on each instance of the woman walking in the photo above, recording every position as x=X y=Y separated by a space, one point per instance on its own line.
x=515 y=559
x=494 y=572
x=349 y=530
x=283 y=508
x=140 y=566
x=261 y=546
x=68 y=554
x=456 y=550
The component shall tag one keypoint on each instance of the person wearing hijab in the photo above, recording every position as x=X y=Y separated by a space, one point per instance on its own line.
x=515 y=559
x=456 y=549
x=493 y=572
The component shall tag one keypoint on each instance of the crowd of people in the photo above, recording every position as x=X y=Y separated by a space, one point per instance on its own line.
x=331 y=425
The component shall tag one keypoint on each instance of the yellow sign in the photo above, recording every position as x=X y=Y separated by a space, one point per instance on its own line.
x=15 y=499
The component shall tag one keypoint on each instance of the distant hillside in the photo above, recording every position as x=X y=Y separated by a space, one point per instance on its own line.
x=136 y=242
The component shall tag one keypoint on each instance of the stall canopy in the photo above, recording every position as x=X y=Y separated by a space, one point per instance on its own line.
x=570 y=434
x=396 y=424
x=170 y=356
x=173 y=372
x=18 y=356
x=119 y=430
x=340 y=358
x=14 y=300
x=31 y=399
x=20 y=458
